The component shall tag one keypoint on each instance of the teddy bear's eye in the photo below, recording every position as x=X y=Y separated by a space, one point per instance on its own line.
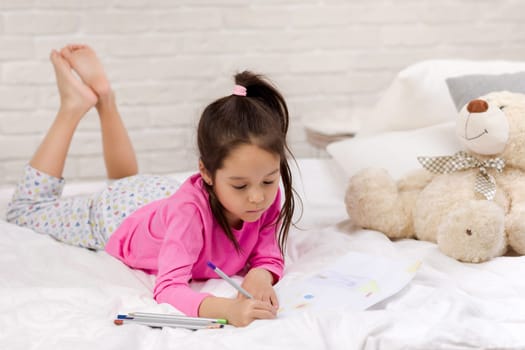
x=501 y=107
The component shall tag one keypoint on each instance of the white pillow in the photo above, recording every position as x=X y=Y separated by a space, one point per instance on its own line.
x=419 y=96
x=465 y=88
x=395 y=151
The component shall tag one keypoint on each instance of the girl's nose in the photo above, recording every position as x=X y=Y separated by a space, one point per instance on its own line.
x=256 y=196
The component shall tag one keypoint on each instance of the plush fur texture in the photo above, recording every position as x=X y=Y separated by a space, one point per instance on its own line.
x=445 y=208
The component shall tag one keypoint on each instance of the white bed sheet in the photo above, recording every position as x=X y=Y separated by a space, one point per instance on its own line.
x=55 y=296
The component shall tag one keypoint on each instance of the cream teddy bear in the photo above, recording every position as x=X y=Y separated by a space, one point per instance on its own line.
x=471 y=203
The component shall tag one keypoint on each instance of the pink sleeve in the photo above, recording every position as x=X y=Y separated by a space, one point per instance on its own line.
x=267 y=254
x=179 y=252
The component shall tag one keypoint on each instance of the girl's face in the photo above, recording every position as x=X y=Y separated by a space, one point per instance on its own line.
x=247 y=183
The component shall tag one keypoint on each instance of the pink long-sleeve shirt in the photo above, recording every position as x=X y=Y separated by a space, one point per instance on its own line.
x=175 y=237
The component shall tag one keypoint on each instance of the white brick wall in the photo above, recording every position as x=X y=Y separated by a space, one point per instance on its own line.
x=168 y=58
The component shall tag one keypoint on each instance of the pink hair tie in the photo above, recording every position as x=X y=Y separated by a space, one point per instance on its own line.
x=239 y=90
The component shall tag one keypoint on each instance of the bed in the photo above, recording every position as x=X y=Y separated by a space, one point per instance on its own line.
x=55 y=296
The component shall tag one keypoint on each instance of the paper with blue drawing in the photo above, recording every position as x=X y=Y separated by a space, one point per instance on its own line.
x=354 y=282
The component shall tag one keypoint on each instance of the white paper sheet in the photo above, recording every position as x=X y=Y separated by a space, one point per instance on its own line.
x=354 y=282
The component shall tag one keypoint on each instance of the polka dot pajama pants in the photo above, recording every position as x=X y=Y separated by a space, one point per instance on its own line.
x=84 y=221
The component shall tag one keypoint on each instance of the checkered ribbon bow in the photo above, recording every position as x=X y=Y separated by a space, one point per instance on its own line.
x=485 y=183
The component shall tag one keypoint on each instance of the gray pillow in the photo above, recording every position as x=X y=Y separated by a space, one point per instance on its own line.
x=465 y=88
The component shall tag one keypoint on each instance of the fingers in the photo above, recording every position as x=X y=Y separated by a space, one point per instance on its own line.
x=270 y=298
x=263 y=315
x=264 y=308
x=248 y=310
x=274 y=301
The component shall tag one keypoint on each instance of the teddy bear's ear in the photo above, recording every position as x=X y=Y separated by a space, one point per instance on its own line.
x=477 y=106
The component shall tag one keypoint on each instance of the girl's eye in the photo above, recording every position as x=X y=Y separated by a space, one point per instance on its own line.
x=239 y=187
x=268 y=182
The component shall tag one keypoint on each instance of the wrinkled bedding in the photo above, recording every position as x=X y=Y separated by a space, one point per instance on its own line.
x=55 y=296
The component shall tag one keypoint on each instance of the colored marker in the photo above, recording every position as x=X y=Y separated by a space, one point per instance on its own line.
x=173 y=317
x=229 y=280
x=159 y=323
x=167 y=321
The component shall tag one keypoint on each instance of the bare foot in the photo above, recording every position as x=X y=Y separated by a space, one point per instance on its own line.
x=85 y=62
x=74 y=94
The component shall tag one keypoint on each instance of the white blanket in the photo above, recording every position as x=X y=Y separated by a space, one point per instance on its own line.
x=55 y=296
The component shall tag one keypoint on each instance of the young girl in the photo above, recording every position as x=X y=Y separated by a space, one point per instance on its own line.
x=229 y=213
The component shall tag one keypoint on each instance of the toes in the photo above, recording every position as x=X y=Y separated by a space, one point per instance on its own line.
x=57 y=59
x=60 y=64
x=66 y=52
x=74 y=47
x=52 y=56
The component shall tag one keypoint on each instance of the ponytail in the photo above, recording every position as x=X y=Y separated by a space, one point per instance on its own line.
x=257 y=87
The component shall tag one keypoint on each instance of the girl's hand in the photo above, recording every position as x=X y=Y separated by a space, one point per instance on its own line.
x=239 y=312
x=244 y=311
x=258 y=282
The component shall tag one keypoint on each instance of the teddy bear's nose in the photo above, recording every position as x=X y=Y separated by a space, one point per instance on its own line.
x=477 y=106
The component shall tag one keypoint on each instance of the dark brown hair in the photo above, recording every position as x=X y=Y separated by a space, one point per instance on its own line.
x=259 y=118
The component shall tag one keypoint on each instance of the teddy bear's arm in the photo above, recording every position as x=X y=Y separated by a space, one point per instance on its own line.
x=415 y=180
x=373 y=201
x=513 y=183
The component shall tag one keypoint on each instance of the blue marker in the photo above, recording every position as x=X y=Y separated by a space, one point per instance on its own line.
x=229 y=280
